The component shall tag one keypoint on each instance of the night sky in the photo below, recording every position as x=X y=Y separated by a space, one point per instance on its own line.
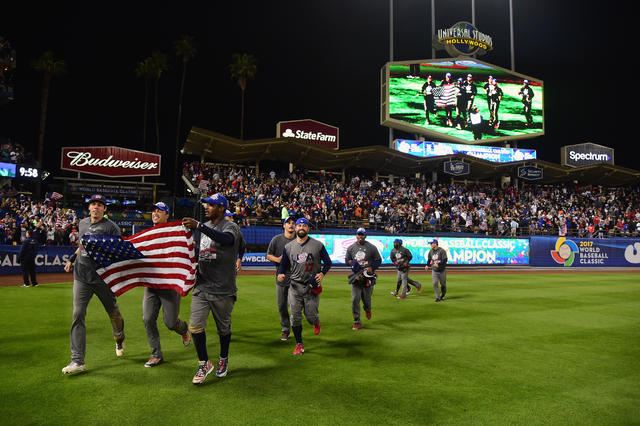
x=316 y=59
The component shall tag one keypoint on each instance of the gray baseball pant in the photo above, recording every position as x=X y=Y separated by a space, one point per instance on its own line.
x=442 y=278
x=169 y=300
x=358 y=294
x=220 y=306
x=82 y=293
x=301 y=298
x=282 y=294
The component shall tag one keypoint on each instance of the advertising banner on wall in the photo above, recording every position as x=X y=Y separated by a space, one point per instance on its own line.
x=48 y=259
x=584 y=252
x=586 y=154
x=110 y=161
x=461 y=251
x=310 y=130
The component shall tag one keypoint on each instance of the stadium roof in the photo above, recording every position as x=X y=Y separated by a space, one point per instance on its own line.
x=216 y=147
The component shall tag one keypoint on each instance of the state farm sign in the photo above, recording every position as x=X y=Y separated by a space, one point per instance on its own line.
x=309 y=130
x=110 y=161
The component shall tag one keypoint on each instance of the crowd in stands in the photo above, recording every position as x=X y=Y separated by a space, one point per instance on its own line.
x=12 y=152
x=401 y=204
x=50 y=224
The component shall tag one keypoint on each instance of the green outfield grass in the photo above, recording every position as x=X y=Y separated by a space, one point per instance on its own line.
x=502 y=349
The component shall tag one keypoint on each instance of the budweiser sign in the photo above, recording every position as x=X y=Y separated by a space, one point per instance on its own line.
x=110 y=161
x=309 y=130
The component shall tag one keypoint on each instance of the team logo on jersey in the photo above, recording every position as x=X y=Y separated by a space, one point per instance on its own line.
x=304 y=257
x=565 y=251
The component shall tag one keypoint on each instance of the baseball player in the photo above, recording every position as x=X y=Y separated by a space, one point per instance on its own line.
x=400 y=257
x=470 y=91
x=215 y=288
x=494 y=95
x=27 y=259
x=449 y=108
x=307 y=262
x=429 y=102
x=243 y=244
x=87 y=282
x=437 y=262
x=527 y=98
x=168 y=299
x=363 y=258
x=274 y=254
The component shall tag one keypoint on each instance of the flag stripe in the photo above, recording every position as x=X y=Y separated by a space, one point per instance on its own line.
x=168 y=260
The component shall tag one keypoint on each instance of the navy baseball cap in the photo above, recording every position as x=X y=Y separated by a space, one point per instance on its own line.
x=228 y=213
x=218 y=199
x=361 y=231
x=526 y=82
x=303 y=221
x=289 y=218
x=162 y=206
x=99 y=198
x=434 y=241
x=448 y=74
x=397 y=240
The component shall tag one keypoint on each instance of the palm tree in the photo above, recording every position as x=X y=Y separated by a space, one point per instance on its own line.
x=243 y=68
x=185 y=48
x=50 y=67
x=143 y=70
x=158 y=65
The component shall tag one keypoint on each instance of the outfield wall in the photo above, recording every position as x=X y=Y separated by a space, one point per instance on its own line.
x=534 y=251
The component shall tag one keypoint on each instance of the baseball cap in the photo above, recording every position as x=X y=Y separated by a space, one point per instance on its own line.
x=99 y=198
x=288 y=218
x=218 y=199
x=448 y=74
x=469 y=75
x=526 y=82
x=361 y=231
x=434 y=241
x=162 y=206
x=397 y=240
x=228 y=213
x=303 y=221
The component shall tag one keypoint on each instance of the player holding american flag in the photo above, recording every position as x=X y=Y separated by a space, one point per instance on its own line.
x=168 y=299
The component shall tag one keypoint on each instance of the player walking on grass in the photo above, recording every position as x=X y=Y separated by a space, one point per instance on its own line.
x=401 y=256
x=87 y=282
x=306 y=261
x=363 y=258
x=437 y=262
x=527 y=98
x=215 y=288
x=274 y=254
x=168 y=299
x=429 y=101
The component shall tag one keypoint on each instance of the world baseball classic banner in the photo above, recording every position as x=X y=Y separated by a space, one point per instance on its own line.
x=48 y=259
x=585 y=252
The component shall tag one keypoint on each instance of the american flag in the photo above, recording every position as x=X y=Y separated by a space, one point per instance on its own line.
x=159 y=257
x=445 y=95
x=55 y=196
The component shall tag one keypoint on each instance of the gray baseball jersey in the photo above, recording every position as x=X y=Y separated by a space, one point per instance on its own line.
x=217 y=263
x=85 y=267
x=440 y=255
x=401 y=255
x=276 y=246
x=365 y=254
x=305 y=260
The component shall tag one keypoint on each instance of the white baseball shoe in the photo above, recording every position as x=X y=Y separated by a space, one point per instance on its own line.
x=74 y=367
x=120 y=349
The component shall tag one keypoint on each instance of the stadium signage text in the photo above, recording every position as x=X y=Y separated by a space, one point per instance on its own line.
x=309 y=130
x=110 y=161
x=530 y=172
x=463 y=39
x=457 y=168
x=586 y=154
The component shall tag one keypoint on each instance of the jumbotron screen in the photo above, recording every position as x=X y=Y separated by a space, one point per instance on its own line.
x=460 y=250
x=490 y=153
x=461 y=100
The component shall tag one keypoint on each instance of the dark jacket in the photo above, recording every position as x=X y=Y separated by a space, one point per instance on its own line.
x=28 y=251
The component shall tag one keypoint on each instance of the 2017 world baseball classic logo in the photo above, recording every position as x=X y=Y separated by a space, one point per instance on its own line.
x=565 y=252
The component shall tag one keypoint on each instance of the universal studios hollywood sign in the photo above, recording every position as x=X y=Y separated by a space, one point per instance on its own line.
x=463 y=39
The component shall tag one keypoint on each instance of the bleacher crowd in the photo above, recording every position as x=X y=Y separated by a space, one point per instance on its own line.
x=400 y=204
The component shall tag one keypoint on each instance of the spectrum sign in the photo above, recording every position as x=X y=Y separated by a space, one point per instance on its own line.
x=310 y=130
x=489 y=153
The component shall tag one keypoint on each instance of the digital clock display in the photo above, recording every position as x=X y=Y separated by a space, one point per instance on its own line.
x=28 y=172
